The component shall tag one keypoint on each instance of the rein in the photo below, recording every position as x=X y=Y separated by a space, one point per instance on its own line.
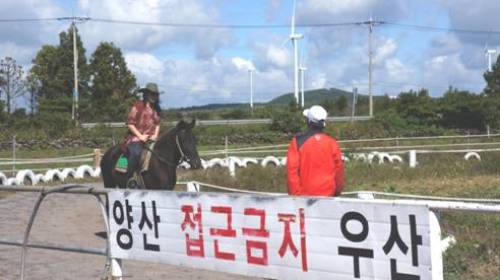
x=166 y=161
x=183 y=156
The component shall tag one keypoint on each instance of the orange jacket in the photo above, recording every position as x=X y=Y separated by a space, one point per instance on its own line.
x=314 y=163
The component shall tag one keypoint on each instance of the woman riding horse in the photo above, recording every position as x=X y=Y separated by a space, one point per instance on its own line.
x=143 y=123
x=173 y=147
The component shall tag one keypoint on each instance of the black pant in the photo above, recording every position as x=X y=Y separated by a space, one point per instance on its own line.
x=134 y=156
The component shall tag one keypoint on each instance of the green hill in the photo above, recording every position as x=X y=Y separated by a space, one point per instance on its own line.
x=317 y=96
x=312 y=97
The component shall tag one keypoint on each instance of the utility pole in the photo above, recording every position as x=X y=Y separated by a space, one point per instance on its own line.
x=371 y=24
x=370 y=54
x=354 y=100
x=75 y=73
x=74 y=108
x=250 y=72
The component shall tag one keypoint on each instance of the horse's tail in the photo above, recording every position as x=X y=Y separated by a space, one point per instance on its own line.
x=107 y=168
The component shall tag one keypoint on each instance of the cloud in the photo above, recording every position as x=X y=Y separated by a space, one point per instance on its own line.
x=449 y=70
x=384 y=50
x=317 y=11
x=205 y=42
x=186 y=82
x=474 y=15
x=278 y=56
x=20 y=39
x=21 y=53
x=144 y=65
x=272 y=10
x=242 y=64
x=196 y=66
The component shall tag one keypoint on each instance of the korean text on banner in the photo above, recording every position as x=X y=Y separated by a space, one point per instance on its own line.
x=274 y=237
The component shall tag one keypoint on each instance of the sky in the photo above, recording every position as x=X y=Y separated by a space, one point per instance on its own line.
x=196 y=66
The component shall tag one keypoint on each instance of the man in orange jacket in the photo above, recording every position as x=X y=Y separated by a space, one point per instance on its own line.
x=314 y=159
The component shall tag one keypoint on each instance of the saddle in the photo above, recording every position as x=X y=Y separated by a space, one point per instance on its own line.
x=136 y=181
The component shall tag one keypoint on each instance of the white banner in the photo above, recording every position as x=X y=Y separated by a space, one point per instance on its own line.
x=273 y=237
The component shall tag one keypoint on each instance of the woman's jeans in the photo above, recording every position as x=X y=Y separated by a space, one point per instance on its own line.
x=134 y=156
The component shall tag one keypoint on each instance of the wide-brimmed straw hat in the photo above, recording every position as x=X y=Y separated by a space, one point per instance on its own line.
x=150 y=87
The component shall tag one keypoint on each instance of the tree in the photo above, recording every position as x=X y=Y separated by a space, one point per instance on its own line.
x=491 y=96
x=32 y=86
x=113 y=85
x=53 y=71
x=493 y=80
x=461 y=109
x=44 y=71
x=12 y=85
x=65 y=73
x=417 y=107
x=3 y=116
x=341 y=104
x=328 y=105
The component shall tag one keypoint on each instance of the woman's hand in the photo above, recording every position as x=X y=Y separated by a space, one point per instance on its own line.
x=143 y=137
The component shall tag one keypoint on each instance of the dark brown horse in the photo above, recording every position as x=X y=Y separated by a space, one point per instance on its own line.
x=173 y=147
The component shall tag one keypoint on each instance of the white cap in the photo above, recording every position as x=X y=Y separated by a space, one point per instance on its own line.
x=315 y=114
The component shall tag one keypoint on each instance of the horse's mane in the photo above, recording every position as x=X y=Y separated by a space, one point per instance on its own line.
x=169 y=134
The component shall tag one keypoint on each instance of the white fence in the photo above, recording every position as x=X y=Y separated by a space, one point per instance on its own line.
x=228 y=122
x=267 y=155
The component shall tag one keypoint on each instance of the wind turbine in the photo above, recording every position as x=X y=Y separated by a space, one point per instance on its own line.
x=302 y=70
x=250 y=72
x=294 y=37
x=488 y=53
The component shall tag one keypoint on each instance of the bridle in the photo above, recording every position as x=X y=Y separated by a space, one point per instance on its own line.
x=183 y=155
x=166 y=161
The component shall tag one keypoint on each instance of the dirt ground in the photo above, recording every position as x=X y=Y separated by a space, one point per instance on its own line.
x=71 y=220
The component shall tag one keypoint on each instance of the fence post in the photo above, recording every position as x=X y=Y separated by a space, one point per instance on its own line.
x=97 y=158
x=231 y=166
x=436 y=251
x=225 y=145
x=193 y=187
x=488 y=130
x=13 y=155
x=116 y=269
x=413 y=158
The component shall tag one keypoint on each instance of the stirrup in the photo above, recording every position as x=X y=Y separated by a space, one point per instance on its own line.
x=132 y=183
x=136 y=181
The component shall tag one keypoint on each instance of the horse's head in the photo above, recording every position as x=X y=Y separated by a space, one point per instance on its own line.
x=186 y=143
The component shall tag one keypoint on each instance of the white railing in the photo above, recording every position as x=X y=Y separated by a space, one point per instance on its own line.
x=242 y=157
x=227 y=122
x=282 y=147
x=433 y=202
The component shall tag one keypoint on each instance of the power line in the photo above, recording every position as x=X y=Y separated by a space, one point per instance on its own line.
x=28 y=20
x=7 y=20
x=220 y=26
x=258 y=26
x=443 y=29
